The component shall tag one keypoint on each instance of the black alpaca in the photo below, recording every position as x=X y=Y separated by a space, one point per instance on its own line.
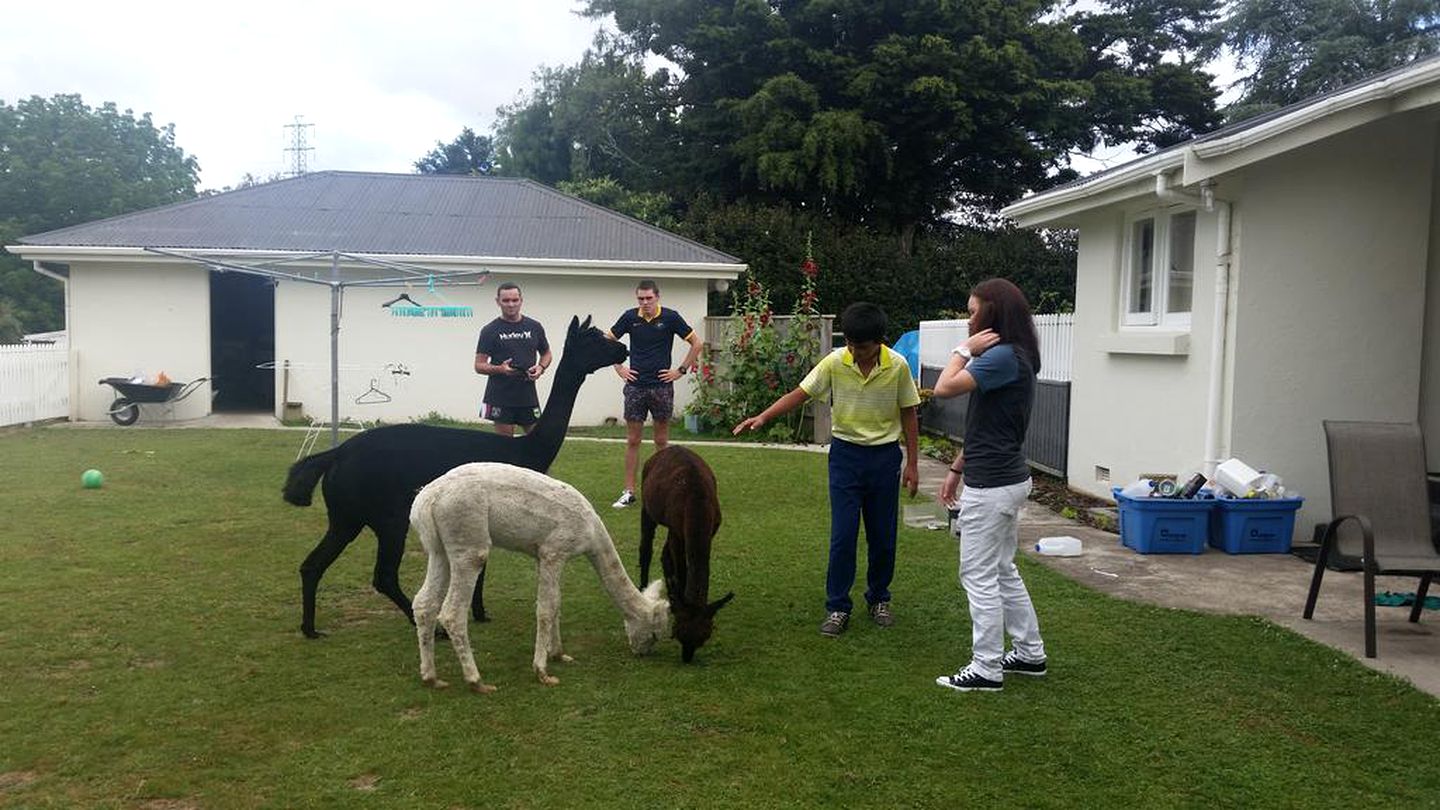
x=371 y=480
x=677 y=491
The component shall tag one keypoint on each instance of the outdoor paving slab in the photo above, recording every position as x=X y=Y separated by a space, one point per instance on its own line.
x=1271 y=586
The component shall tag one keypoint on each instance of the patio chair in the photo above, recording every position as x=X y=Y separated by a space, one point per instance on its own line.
x=1381 y=505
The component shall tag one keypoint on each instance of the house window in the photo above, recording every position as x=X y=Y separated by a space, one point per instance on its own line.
x=1159 y=273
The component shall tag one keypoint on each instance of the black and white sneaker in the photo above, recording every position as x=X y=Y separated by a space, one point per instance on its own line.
x=968 y=680
x=626 y=498
x=835 y=623
x=1013 y=664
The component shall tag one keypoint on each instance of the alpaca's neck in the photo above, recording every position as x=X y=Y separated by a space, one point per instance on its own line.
x=549 y=432
x=613 y=577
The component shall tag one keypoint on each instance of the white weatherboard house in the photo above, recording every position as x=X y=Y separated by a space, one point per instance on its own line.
x=1235 y=290
x=131 y=310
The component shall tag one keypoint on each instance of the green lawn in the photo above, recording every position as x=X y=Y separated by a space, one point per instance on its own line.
x=152 y=658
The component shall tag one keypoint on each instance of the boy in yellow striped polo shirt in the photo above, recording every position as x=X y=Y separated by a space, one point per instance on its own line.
x=872 y=403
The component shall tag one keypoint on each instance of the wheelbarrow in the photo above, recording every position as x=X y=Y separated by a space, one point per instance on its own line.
x=130 y=395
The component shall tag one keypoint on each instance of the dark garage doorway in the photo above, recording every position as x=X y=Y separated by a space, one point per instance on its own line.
x=242 y=336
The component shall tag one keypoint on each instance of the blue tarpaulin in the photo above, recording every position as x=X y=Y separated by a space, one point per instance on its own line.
x=909 y=347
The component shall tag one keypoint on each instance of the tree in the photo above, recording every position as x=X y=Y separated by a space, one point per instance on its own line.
x=650 y=207
x=1295 y=49
x=63 y=163
x=894 y=114
x=604 y=117
x=467 y=154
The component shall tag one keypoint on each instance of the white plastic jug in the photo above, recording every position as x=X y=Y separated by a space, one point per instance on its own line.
x=1237 y=477
x=1062 y=546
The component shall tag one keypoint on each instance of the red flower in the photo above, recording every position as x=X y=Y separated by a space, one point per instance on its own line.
x=809 y=268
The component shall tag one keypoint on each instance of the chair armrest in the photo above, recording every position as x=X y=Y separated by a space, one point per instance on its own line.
x=1367 y=535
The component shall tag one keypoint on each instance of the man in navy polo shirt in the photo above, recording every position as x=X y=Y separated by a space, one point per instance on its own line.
x=649 y=379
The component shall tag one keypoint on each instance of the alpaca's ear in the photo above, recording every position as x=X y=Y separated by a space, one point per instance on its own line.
x=586 y=324
x=574 y=324
x=714 y=607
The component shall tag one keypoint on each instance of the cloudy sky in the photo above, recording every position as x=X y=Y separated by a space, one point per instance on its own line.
x=380 y=82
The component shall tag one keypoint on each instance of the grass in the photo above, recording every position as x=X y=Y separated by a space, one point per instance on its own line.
x=152 y=658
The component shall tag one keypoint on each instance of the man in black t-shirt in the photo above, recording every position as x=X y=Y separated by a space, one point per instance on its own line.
x=649 y=379
x=513 y=352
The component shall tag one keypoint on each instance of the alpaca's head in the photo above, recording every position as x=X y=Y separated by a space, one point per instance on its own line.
x=588 y=349
x=645 y=629
x=695 y=623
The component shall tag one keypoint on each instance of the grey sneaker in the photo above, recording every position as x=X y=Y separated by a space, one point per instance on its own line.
x=968 y=680
x=835 y=623
x=880 y=613
x=1015 y=665
x=626 y=498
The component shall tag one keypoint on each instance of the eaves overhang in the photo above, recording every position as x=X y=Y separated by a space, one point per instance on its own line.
x=522 y=266
x=1208 y=157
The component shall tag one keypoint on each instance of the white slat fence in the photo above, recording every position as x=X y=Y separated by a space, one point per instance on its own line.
x=34 y=383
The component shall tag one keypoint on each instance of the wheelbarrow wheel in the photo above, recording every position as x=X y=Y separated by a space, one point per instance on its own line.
x=124 y=412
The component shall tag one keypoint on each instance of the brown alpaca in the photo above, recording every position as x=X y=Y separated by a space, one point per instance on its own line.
x=677 y=491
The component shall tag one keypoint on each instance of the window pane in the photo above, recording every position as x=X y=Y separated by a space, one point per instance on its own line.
x=1142 y=261
x=1182 y=262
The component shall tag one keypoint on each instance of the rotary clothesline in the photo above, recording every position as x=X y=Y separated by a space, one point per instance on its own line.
x=275 y=270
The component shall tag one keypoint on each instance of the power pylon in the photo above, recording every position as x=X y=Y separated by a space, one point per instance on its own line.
x=298 y=149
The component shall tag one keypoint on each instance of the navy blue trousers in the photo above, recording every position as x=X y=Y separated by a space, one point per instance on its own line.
x=864 y=483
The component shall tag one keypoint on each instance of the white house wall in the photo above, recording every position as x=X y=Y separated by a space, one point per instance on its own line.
x=1133 y=413
x=1330 y=284
x=1330 y=257
x=439 y=353
x=1430 y=374
x=128 y=319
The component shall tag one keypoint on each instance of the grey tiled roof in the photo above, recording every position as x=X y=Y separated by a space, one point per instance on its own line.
x=412 y=214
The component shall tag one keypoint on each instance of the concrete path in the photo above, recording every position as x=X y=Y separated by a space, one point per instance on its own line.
x=1272 y=586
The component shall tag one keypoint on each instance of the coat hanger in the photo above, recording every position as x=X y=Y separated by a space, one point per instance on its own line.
x=373 y=396
x=401 y=297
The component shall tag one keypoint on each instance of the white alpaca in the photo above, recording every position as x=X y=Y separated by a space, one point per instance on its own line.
x=461 y=514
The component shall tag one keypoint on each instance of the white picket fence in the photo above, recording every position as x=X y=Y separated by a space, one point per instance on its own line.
x=1057 y=343
x=34 y=382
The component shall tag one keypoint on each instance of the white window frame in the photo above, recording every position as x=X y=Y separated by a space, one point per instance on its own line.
x=1156 y=317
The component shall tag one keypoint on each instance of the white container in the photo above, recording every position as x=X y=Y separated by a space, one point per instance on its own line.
x=1237 y=477
x=923 y=516
x=1062 y=546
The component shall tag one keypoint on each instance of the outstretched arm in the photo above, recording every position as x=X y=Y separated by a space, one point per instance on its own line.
x=779 y=407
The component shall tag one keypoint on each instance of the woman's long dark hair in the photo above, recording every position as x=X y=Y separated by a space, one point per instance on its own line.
x=1004 y=309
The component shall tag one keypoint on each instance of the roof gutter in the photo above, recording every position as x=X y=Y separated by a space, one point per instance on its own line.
x=1045 y=207
x=1049 y=207
x=1375 y=91
x=602 y=267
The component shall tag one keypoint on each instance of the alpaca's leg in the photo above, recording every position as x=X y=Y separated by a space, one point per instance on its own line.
x=547 y=616
x=647 y=544
x=391 y=550
x=477 y=602
x=672 y=562
x=464 y=565
x=427 y=611
x=339 y=535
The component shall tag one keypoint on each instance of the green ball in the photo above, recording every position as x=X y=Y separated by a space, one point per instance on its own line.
x=91 y=479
